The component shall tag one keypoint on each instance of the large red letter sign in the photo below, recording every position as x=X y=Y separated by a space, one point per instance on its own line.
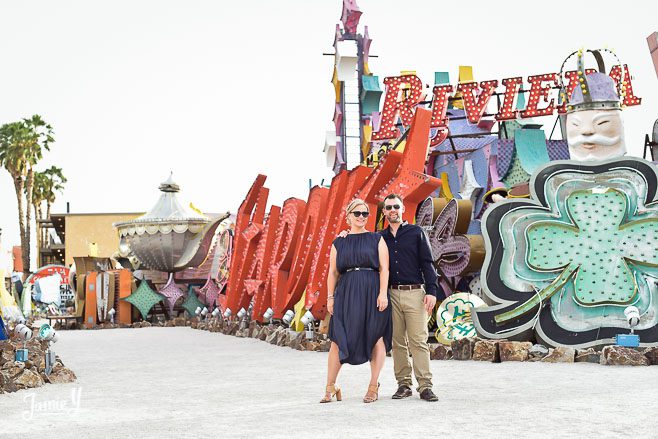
x=475 y=108
x=537 y=92
x=248 y=225
x=440 y=95
x=395 y=106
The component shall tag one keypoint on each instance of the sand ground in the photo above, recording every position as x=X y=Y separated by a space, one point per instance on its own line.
x=179 y=382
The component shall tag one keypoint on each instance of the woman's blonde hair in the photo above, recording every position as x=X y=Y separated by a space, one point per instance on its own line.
x=354 y=204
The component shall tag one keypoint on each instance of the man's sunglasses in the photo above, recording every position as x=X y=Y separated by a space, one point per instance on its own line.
x=357 y=214
x=392 y=206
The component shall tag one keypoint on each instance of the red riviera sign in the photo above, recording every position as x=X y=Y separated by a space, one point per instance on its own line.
x=402 y=105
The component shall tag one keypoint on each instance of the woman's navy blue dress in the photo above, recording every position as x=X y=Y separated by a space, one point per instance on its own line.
x=357 y=324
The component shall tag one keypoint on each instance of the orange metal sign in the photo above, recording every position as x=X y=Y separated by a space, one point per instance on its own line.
x=276 y=260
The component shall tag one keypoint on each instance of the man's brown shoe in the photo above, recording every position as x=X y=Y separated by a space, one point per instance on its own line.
x=402 y=392
x=428 y=395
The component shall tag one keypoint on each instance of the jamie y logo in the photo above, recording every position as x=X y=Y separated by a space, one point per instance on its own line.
x=66 y=406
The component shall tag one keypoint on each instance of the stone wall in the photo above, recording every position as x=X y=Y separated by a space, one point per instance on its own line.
x=16 y=375
x=497 y=351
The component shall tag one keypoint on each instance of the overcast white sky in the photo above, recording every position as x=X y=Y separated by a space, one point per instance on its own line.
x=220 y=91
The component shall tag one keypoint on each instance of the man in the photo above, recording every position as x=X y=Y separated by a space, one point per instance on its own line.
x=414 y=290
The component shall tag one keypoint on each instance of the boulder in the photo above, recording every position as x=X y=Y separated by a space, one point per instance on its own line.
x=12 y=369
x=296 y=343
x=28 y=380
x=253 y=326
x=324 y=345
x=61 y=375
x=622 y=356
x=588 y=355
x=560 y=355
x=9 y=385
x=462 y=349
x=255 y=331
x=652 y=355
x=7 y=353
x=311 y=345
x=288 y=337
x=486 y=350
x=282 y=336
x=537 y=352
x=441 y=352
x=514 y=350
x=273 y=336
x=264 y=332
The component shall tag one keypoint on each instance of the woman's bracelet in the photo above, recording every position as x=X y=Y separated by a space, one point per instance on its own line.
x=330 y=297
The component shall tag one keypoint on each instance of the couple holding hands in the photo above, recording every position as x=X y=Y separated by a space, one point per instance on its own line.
x=381 y=289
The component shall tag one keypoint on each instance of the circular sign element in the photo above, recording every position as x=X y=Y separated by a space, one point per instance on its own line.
x=453 y=317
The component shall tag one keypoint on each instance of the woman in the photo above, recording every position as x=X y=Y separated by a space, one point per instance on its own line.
x=360 y=328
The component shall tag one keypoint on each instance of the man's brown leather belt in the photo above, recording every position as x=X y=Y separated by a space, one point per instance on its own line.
x=407 y=287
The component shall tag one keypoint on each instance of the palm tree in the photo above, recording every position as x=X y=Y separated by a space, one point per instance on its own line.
x=21 y=147
x=54 y=183
x=38 y=197
x=46 y=186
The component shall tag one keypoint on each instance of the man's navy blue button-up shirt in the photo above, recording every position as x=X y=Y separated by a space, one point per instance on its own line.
x=410 y=259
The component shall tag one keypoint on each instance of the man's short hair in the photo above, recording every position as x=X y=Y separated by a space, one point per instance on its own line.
x=393 y=197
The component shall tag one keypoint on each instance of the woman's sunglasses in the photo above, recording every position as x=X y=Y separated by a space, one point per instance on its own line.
x=358 y=214
x=392 y=206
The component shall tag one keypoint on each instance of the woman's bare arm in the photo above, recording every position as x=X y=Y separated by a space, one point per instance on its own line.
x=382 y=299
x=332 y=279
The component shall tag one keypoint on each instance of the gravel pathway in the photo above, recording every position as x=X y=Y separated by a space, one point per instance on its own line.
x=179 y=382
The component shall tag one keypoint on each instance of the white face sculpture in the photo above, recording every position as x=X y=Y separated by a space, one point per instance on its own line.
x=595 y=135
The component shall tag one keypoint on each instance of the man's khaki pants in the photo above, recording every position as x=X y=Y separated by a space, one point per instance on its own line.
x=410 y=335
